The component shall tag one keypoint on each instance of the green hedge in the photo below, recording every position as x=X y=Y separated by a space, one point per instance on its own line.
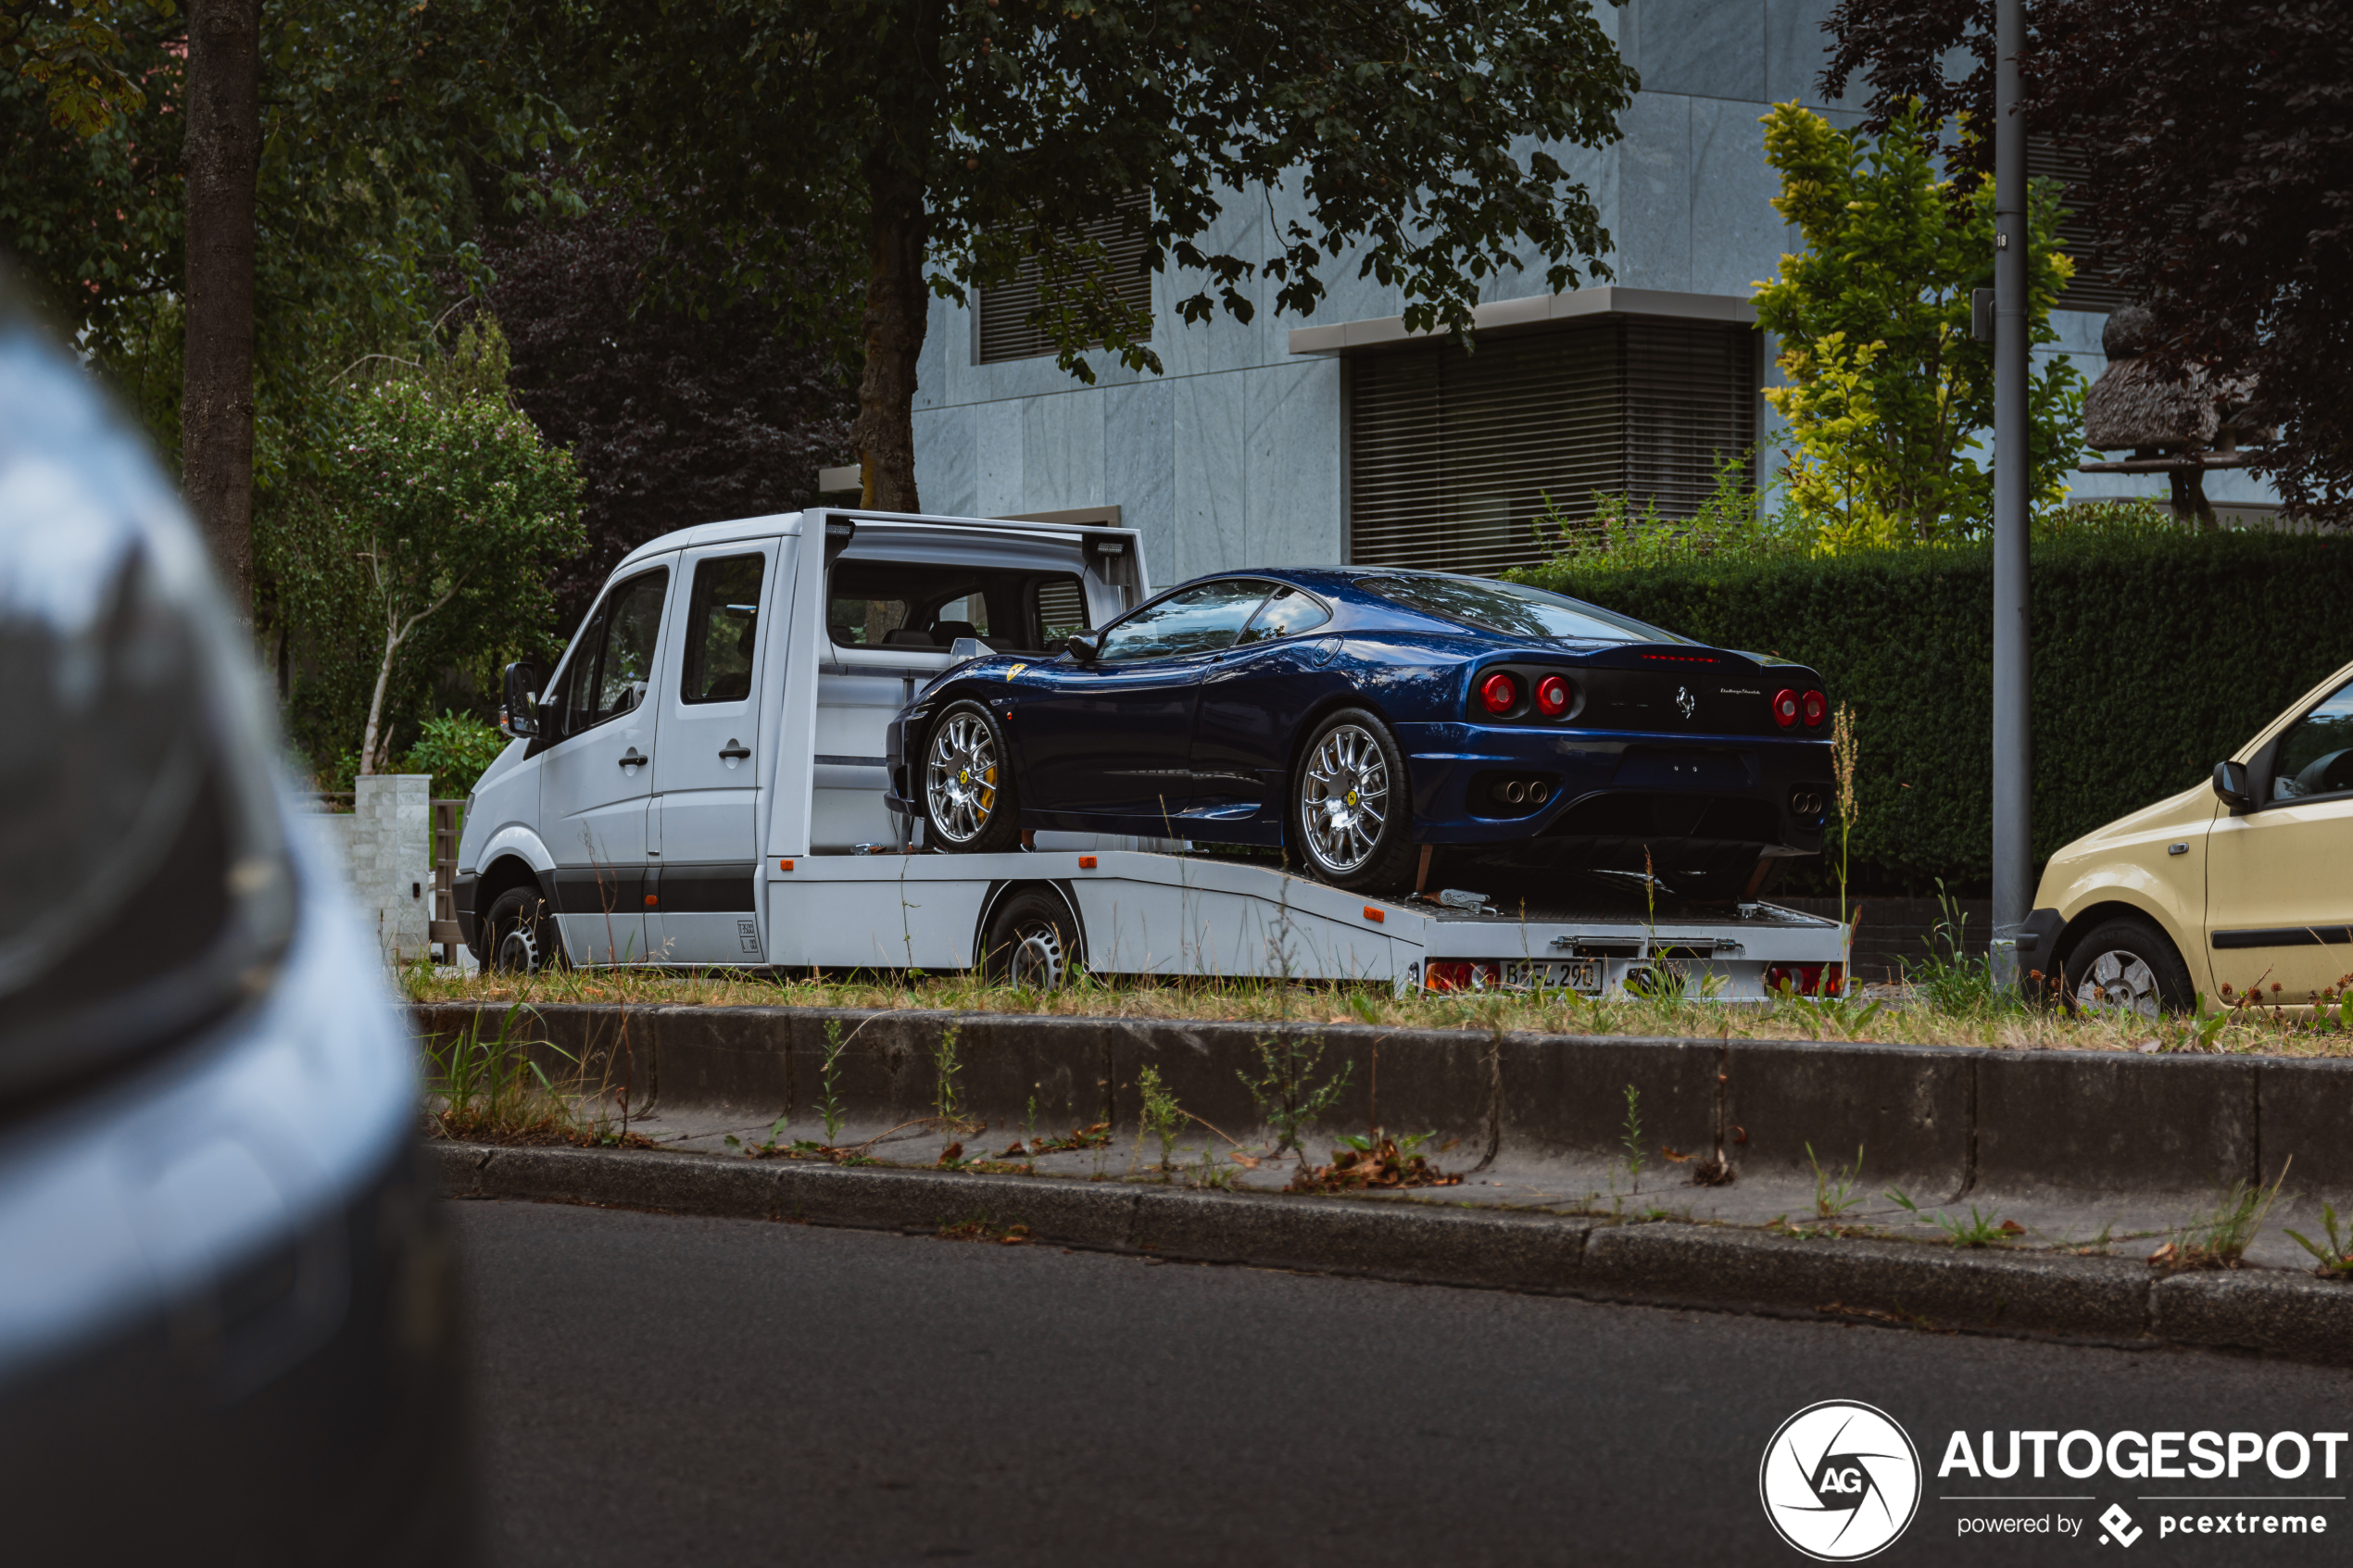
x=2156 y=656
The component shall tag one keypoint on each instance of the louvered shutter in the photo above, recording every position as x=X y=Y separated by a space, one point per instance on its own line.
x=1452 y=456
x=1005 y=333
x=2094 y=286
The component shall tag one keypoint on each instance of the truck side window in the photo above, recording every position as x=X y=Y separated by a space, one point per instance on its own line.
x=723 y=630
x=616 y=657
x=2316 y=754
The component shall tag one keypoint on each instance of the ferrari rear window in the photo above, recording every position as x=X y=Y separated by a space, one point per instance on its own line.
x=1512 y=608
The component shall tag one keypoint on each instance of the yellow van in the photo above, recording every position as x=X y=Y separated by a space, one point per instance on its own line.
x=2238 y=885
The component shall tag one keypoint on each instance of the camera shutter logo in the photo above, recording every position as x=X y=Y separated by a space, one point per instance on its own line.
x=1840 y=1481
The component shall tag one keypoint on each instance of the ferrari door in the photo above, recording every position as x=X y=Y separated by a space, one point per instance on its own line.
x=1105 y=746
x=2279 y=907
x=596 y=783
x=1252 y=697
x=713 y=744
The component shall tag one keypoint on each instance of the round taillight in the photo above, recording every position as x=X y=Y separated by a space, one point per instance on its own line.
x=1785 y=706
x=1499 y=693
x=1553 y=697
x=1816 y=705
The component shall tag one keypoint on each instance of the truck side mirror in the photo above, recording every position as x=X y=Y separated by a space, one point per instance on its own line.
x=2230 y=783
x=519 y=699
x=1084 y=647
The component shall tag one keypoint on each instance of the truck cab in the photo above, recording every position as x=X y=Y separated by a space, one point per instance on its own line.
x=725 y=702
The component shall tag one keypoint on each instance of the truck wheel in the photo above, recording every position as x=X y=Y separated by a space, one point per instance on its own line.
x=2123 y=966
x=969 y=797
x=1030 y=943
x=519 y=933
x=1352 y=806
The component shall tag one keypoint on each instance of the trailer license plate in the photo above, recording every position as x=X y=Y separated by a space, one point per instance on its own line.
x=1555 y=974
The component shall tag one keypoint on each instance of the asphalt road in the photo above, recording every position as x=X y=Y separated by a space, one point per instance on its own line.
x=657 y=1389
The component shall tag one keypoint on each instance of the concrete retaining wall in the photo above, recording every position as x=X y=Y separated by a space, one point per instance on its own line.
x=1939 y=1123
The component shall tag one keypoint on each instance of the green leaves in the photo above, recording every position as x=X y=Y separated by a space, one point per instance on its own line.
x=1889 y=392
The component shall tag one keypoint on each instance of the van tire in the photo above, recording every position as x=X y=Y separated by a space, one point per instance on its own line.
x=519 y=933
x=964 y=781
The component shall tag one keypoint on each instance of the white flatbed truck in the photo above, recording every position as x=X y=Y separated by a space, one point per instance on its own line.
x=609 y=827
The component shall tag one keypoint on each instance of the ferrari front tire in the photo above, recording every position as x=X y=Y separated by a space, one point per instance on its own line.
x=1351 y=807
x=970 y=803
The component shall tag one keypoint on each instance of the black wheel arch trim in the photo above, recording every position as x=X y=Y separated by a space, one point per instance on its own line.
x=1002 y=888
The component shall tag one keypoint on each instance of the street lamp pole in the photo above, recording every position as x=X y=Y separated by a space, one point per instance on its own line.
x=2013 y=801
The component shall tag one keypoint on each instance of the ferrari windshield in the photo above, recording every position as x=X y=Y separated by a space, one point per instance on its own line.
x=1512 y=608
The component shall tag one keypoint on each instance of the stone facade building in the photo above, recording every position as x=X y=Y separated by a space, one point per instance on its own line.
x=1336 y=439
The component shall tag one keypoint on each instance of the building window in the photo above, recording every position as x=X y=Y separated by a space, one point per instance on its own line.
x=1452 y=456
x=2094 y=286
x=1004 y=331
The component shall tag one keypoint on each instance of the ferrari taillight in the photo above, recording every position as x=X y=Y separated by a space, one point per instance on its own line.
x=1815 y=705
x=1785 y=708
x=1499 y=693
x=1553 y=697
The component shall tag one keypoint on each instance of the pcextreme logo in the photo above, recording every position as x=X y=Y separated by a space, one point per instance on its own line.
x=1839 y=1481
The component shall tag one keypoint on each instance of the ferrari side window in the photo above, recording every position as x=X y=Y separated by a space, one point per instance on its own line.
x=2315 y=755
x=1199 y=620
x=1287 y=613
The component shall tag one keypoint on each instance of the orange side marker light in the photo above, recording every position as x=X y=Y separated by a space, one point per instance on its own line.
x=1086 y=863
x=783 y=865
x=1374 y=915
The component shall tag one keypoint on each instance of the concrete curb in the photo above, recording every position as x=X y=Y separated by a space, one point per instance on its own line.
x=2104 y=1301
x=1942 y=1123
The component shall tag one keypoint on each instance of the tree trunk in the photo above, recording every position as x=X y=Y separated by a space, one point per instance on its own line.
x=222 y=160
x=898 y=311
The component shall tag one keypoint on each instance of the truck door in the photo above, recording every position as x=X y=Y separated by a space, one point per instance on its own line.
x=713 y=752
x=2278 y=908
x=596 y=780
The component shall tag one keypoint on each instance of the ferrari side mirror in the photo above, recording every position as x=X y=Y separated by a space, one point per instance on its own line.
x=2230 y=783
x=1084 y=647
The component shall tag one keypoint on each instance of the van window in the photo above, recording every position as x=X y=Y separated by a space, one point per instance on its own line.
x=876 y=604
x=723 y=630
x=614 y=657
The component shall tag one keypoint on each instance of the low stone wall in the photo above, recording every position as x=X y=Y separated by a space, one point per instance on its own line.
x=384 y=845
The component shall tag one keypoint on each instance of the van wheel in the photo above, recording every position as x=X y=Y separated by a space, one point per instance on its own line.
x=1031 y=943
x=970 y=801
x=2125 y=966
x=521 y=934
x=1352 y=805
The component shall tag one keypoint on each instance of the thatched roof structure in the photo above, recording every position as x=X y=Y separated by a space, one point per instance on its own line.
x=2133 y=406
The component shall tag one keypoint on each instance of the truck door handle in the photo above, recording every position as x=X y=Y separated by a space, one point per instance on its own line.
x=735 y=748
x=630 y=759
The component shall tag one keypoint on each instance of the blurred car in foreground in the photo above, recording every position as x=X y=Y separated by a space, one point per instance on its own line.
x=2230 y=887
x=227 y=1331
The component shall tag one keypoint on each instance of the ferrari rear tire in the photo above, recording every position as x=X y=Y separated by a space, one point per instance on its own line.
x=2125 y=967
x=1352 y=806
x=967 y=781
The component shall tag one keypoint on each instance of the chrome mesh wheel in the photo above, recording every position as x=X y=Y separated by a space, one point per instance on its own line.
x=960 y=777
x=1344 y=800
x=2116 y=982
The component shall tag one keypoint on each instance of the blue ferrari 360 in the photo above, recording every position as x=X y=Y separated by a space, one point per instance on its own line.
x=1364 y=719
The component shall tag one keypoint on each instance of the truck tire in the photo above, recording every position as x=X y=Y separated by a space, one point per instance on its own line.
x=1031 y=942
x=2125 y=965
x=971 y=804
x=1352 y=805
x=519 y=933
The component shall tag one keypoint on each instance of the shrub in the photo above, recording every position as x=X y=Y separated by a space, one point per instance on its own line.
x=2156 y=653
x=456 y=749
